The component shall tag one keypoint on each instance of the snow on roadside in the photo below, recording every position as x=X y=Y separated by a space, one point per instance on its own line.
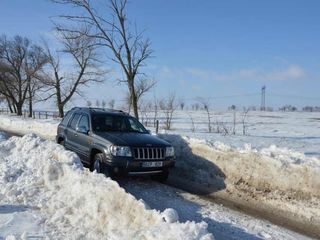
x=46 y=128
x=76 y=204
x=2 y=136
x=271 y=168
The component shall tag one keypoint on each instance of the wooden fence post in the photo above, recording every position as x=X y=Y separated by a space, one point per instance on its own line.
x=157 y=126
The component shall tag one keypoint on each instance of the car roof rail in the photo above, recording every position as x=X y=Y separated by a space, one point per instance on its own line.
x=108 y=110
x=75 y=108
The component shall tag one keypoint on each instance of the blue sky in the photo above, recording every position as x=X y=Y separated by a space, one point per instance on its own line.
x=210 y=48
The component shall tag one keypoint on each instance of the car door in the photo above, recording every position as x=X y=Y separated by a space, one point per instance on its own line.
x=83 y=140
x=71 y=134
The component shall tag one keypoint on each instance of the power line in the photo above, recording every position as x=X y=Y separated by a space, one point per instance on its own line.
x=225 y=96
x=293 y=96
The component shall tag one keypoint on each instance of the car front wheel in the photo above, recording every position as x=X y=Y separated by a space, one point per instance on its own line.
x=98 y=164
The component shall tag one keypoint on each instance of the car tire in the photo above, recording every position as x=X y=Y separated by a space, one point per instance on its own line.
x=160 y=177
x=61 y=143
x=98 y=164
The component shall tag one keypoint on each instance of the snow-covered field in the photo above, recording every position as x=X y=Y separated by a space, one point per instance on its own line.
x=277 y=162
x=298 y=131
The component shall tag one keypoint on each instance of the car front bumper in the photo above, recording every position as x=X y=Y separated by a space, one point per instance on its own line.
x=129 y=166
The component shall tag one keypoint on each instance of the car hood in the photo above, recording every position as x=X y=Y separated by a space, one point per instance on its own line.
x=133 y=139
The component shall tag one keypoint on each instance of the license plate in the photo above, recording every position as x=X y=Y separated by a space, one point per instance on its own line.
x=152 y=164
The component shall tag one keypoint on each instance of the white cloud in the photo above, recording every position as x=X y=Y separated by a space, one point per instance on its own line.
x=291 y=72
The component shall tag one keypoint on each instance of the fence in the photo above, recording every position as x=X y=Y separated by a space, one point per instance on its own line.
x=35 y=114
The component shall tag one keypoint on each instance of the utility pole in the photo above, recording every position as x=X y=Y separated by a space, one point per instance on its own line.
x=263 y=98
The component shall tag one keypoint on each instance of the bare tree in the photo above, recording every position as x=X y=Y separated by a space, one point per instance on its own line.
x=234 y=122
x=155 y=109
x=89 y=103
x=169 y=105
x=223 y=128
x=111 y=103
x=206 y=106
x=103 y=103
x=195 y=106
x=244 y=120
x=98 y=103
x=142 y=86
x=162 y=104
x=193 y=127
x=20 y=62
x=63 y=83
x=144 y=107
x=128 y=47
x=181 y=104
x=37 y=60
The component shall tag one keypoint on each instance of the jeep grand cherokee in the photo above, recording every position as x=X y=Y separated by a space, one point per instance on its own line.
x=113 y=142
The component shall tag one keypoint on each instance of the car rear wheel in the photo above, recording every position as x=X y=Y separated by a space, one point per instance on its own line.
x=160 y=177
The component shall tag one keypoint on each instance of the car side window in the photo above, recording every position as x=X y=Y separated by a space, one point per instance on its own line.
x=66 y=118
x=84 y=122
x=74 y=121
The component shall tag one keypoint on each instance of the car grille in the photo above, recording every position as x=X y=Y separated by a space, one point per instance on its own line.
x=149 y=153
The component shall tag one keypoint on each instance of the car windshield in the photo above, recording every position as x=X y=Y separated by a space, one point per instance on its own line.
x=116 y=123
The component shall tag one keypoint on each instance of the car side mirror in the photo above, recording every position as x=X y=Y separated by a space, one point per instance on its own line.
x=82 y=129
x=149 y=131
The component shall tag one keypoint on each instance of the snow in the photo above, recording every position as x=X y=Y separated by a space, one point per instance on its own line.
x=223 y=222
x=273 y=168
x=276 y=164
x=2 y=136
x=39 y=177
x=299 y=131
x=46 y=128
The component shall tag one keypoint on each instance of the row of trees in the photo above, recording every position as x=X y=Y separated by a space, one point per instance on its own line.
x=30 y=72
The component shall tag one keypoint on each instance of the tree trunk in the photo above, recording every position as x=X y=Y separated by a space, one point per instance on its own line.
x=9 y=105
x=134 y=99
x=135 y=106
x=60 y=104
x=14 y=108
x=19 y=109
x=61 y=111
x=30 y=103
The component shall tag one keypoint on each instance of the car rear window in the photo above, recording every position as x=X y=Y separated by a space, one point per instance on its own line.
x=84 y=122
x=66 y=118
x=74 y=121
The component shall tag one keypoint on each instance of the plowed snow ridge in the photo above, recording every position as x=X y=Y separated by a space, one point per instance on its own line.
x=271 y=169
x=76 y=203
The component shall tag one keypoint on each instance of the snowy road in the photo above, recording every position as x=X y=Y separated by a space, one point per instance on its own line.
x=223 y=222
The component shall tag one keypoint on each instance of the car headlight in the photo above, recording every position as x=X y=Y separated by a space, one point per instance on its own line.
x=120 y=151
x=169 y=151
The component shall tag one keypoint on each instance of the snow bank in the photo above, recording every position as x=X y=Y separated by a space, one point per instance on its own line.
x=269 y=169
x=46 y=128
x=2 y=136
x=76 y=203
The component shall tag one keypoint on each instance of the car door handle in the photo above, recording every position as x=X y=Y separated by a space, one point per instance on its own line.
x=76 y=135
